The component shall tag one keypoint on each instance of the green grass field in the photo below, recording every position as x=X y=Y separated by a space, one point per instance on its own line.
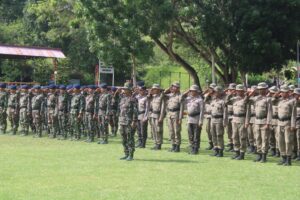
x=38 y=169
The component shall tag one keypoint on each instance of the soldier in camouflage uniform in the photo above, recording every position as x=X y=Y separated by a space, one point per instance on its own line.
x=207 y=114
x=274 y=95
x=142 y=124
x=174 y=109
x=25 y=110
x=114 y=112
x=155 y=114
x=219 y=120
x=77 y=110
x=3 y=108
x=128 y=116
x=44 y=109
x=263 y=121
x=89 y=114
x=51 y=108
x=36 y=107
x=70 y=93
x=231 y=89
x=240 y=111
x=13 y=109
x=62 y=109
x=250 y=127
x=195 y=111
x=102 y=110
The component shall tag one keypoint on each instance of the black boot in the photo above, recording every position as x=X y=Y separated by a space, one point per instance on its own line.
x=125 y=157
x=130 y=157
x=159 y=147
x=237 y=154
x=143 y=145
x=273 y=152
x=230 y=149
x=288 y=161
x=251 y=149
x=139 y=144
x=282 y=161
x=264 y=158
x=277 y=153
x=172 y=149
x=210 y=147
x=177 y=149
x=241 y=156
x=220 y=153
x=215 y=153
x=258 y=157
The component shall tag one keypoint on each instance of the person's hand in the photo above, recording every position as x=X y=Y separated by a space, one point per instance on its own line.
x=200 y=125
x=160 y=121
x=133 y=124
x=179 y=121
x=246 y=125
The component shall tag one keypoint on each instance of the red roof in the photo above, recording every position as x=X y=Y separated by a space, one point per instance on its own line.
x=9 y=51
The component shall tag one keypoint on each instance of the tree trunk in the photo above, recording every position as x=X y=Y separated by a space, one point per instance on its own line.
x=133 y=70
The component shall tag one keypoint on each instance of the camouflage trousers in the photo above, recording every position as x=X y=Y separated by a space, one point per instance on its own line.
x=217 y=132
x=52 y=123
x=142 y=131
x=127 y=135
x=103 y=127
x=250 y=135
x=24 y=121
x=194 y=132
x=89 y=124
x=297 y=138
x=261 y=138
x=174 y=130
x=13 y=117
x=3 y=121
x=75 y=125
x=37 y=122
x=63 y=124
x=157 y=129
x=208 y=130
x=114 y=122
x=239 y=136
x=286 y=140
x=229 y=131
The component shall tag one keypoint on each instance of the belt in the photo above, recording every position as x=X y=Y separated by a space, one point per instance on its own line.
x=298 y=118
x=174 y=110
x=217 y=116
x=230 y=113
x=194 y=114
x=141 y=112
x=240 y=115
x=261 y=117
x=252 y=115
x=275 y=117
x=156 y=112
x=283 y=119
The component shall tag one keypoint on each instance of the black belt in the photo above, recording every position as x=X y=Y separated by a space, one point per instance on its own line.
x=283 y=119
x=230 y=113
x=156 y=112
x=298 y=118
x=261 y=117
x=217 y=116
x=174 y=110
x=194 y=114
x=252 y=115
x=275 y=117
x=207 y=113
x=141 y=112
x=240 y=115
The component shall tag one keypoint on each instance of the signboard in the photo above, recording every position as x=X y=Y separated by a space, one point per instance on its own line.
x=106 y=70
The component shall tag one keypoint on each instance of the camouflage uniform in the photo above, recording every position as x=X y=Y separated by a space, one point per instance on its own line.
x=128 y=115
x=102 y=109
x=273 y=130
x=142 y=124
x=195 y=112
x=77 y=110
x=113 y=115
x=25 y=110
x=297 y=138
x=36 y=106
x=13 y=110
x=89 y=116
x=3 y=109
x=62 y=107
x=250 y=129
x=52 y=114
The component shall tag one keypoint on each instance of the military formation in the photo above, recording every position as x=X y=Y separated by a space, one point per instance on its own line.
x=259 y=120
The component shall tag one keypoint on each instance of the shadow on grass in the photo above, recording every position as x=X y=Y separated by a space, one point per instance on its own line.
x=166 y=161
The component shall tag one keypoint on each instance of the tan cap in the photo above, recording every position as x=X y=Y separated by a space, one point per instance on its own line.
x=212 y=85
x=176 y=84
x=218 y=89
x=262 y=85
x=273 y=89
x=232 y=86
x=240 y=87
x=156 y=86
x=284 y=88
x=194 y=88
x=297 y=91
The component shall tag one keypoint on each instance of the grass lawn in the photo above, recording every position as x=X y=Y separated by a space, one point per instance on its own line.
x=38 y=169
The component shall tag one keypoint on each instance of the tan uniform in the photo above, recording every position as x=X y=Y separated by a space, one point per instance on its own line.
x=286 y=120
x=250 y=129
x=174 y=109
x=229 y=125
x=263 y=117
x=218 y=121
x=273 y=130
x=207 y=116
x=156 y=113
x=239 y=131
x=298 y=127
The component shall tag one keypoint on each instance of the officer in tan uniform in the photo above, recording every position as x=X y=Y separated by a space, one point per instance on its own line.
x=142 y=124
x=156 y=113
x=250 y=128
x=294 y=156
x=274 y=95
x=297 y=138
x=230 y=90
x=286 y=124
x=219 y=120
x=263 y=121
x=240 y=110
x=174 y=110
x=195 y=112
x=207 y=113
